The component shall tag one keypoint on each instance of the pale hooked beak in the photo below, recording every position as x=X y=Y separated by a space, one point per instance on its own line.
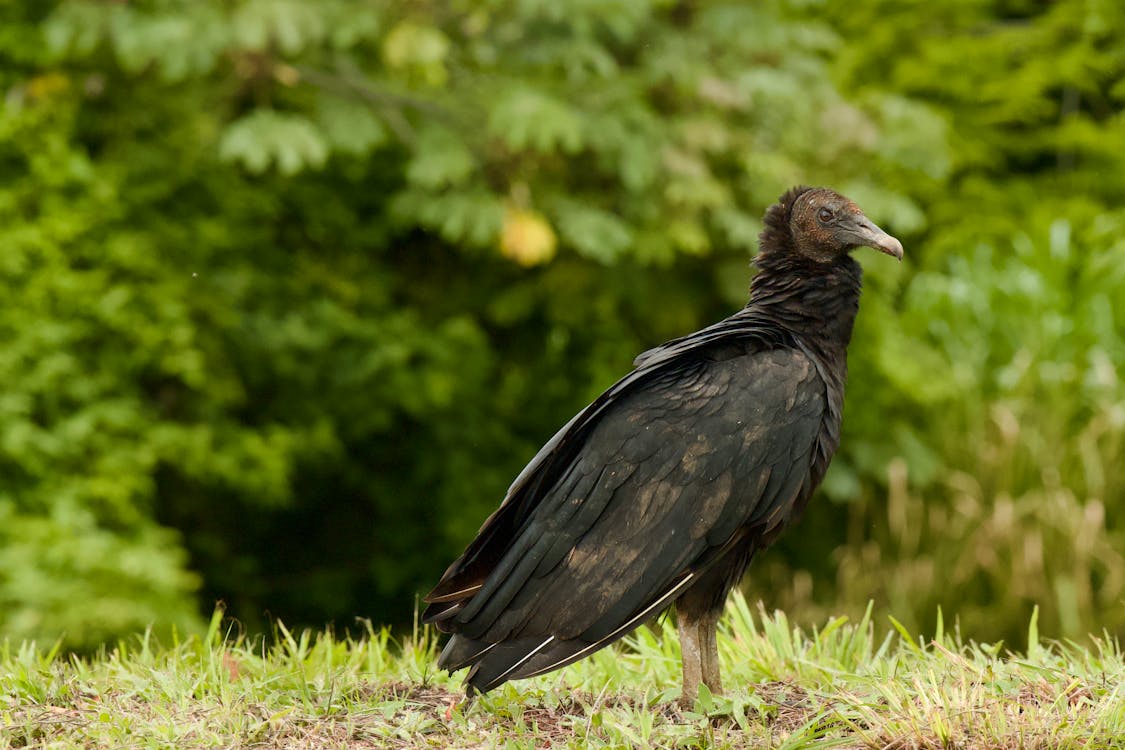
x=864 y=232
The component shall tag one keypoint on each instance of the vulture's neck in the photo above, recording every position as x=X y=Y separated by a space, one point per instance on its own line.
x=815 y=302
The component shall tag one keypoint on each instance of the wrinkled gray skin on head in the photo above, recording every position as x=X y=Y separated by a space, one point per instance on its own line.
x=825 y=224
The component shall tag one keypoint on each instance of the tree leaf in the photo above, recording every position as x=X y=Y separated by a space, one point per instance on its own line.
x=265 y=137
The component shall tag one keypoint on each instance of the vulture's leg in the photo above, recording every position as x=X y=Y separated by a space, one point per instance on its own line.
x=697 y=618
x=697 y=631
x=708 y=630
x=692 y=661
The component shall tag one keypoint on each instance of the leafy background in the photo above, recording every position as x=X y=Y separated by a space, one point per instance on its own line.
x=292 y=290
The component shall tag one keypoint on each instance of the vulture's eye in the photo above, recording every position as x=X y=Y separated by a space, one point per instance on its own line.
x=825 y=215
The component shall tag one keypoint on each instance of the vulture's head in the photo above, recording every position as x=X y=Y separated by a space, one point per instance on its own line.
x=822 y=225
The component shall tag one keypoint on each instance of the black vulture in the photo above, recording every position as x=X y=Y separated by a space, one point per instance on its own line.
x=663 y=488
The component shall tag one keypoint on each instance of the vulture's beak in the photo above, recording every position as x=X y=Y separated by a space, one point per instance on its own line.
x=862 y=231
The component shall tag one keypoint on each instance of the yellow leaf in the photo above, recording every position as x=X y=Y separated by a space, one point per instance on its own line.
x=420 y=50
x=47 y=85
x=527 y=237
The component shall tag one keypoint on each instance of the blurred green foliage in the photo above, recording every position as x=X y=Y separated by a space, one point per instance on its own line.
x=294 y=289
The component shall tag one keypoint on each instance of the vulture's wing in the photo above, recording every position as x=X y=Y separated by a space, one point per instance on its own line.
x=626 y=506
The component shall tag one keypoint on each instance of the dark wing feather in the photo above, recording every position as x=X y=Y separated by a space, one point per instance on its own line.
x=635 y=497
x=743 y=331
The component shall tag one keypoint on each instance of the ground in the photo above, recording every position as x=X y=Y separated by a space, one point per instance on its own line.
x=841 y=685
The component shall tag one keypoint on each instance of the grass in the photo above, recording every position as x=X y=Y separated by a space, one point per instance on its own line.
x=838 y=686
